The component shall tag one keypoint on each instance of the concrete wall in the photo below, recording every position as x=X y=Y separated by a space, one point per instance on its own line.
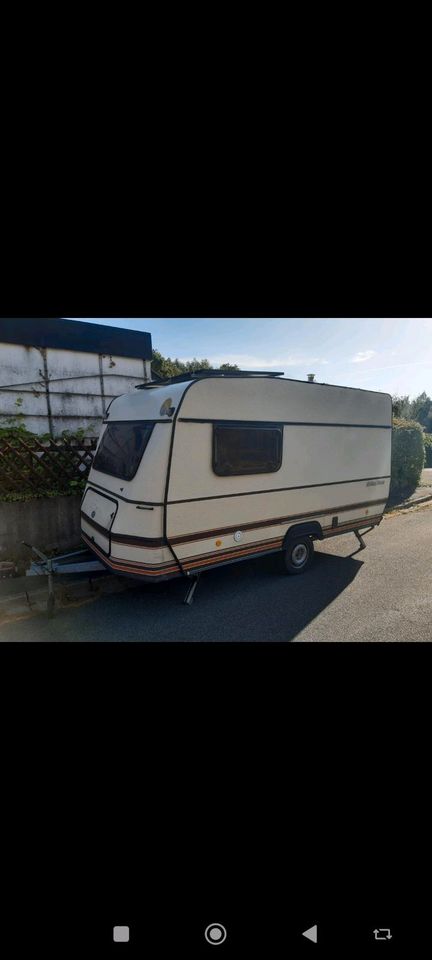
x=51 y=523
x=63 y=389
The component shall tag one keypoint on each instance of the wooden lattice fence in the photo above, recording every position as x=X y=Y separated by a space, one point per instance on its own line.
x=30 y=465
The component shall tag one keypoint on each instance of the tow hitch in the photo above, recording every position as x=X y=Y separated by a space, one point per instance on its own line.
x=80 y=561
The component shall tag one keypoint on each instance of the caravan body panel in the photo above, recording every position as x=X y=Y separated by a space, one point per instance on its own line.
x=178 y=515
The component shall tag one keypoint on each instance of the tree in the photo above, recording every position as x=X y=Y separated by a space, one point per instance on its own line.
x=401 y=407
x=421 y=410
x=165 y=367
x=191 y=365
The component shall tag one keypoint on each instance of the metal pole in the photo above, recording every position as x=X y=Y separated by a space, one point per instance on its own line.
x=102 y=384
x=45 y=377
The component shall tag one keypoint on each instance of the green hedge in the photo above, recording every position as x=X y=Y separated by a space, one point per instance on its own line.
x=427 y=437
x=408 y=455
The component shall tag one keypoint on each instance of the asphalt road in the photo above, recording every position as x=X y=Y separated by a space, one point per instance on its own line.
x=380 y=594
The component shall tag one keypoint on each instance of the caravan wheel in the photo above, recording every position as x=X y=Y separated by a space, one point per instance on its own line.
x=298 y=554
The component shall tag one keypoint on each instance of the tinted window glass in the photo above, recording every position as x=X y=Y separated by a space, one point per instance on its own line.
x=252 y=449
x=121 y=448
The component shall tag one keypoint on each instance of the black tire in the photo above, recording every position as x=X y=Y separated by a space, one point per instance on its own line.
x=298 y=554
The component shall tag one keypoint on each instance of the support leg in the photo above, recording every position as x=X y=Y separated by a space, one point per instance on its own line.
x=191 y=590
x=48 y=562
x=51 y=594
x=360 y=540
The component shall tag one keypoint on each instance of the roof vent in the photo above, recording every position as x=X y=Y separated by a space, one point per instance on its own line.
x=311 y=377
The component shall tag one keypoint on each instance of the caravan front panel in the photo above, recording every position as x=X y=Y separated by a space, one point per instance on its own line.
x=97 y=515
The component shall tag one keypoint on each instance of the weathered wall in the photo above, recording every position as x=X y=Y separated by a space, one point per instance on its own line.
x=63 y=389
x=51 y=523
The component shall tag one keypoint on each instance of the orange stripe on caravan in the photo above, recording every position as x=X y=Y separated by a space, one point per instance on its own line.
x=362 y=522
x=242 y=551
x=132 y=566
x=272 y=522
x=268 y=544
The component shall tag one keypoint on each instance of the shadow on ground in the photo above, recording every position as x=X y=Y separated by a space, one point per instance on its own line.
x=248 y=601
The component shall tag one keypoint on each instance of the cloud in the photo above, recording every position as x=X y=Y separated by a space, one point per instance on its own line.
x=363 y=355
x=247 y=361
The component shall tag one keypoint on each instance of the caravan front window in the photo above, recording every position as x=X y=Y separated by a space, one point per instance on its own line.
x=122 y=447
x=252 y=448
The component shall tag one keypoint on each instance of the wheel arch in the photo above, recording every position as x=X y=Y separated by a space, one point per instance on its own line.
x=309 y=529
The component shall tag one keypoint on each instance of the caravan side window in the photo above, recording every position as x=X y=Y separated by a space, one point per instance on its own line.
x=252 y=448
x=122 y=447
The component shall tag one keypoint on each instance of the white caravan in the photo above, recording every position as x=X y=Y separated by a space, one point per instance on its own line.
x=213 y=467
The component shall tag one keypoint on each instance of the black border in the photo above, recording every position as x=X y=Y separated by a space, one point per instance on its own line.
x=269 y=775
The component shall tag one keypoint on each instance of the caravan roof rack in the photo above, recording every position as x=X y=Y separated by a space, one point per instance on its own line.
x=202 y=374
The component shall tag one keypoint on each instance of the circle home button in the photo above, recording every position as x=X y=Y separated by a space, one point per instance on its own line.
x=215 y=934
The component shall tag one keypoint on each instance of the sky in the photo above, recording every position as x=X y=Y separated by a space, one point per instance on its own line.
x=394 y=356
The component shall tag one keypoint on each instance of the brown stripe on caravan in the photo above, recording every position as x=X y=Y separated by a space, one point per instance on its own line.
x=131 y=566
x=266 y=547
x=255 y=493
x=228 y=496
x=152 y=543
x=149 y=542
x=278 y=541
x=136 y=568
x=148 y=503
x=352 y=525
x=273 y=522
x=286 y=423
x=96 y=526
x=233 y=551
x=154 y=570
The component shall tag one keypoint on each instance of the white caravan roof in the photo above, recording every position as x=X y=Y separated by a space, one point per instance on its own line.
x=256 y=398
